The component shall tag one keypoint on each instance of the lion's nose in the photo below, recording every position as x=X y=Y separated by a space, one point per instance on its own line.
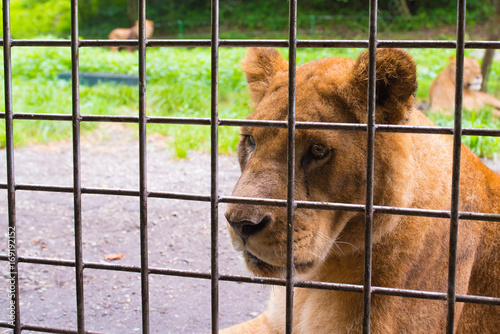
x=247 y=228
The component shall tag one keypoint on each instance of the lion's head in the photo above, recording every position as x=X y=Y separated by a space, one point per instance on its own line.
x=472 y=73
x=149 y=25
x=330 y=164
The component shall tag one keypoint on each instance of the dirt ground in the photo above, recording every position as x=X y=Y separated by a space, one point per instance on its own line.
x=179 y=238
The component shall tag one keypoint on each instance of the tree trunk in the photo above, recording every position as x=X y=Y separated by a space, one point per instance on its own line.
x=132 y=11
x=493 y=35
x=403 y=7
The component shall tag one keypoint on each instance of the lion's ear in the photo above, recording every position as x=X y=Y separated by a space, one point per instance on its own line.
x=396 y=82
x=260 y=65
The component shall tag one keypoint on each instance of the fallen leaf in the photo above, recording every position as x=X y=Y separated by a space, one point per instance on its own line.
x=113 y=256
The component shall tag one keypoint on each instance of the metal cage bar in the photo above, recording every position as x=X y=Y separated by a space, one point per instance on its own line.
x=12 y=257
x=289 y=283
x=370 y=160
x=455 y=184
x=77 y=184
x=266 y=280
x=290 y=201
x=214 y=151
x=143 y=187
x=257 y=123
x=260 y=42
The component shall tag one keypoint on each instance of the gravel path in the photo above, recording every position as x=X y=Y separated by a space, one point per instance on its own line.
x=179 y=238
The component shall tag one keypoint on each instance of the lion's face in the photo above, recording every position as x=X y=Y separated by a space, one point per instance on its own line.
x=472 y=73
x=329 y=165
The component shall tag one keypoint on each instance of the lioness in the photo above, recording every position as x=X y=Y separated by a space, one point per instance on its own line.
x=442 y=91
x=411 y=170
x=130 y=33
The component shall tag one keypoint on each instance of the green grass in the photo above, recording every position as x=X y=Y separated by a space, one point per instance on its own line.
x=481 y=145
x=178 y=85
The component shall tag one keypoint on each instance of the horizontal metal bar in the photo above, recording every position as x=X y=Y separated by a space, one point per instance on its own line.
x=178 y=120
x=44 y=261
x=179 y=43
x=252 y=201
x=40 y=42
x=253 y=280
x=436 y=44
x=41 y=117
x=263 y=280
x=41 y=187
x=52 y=330
x=264 y=201
x=179 y=273
x=330 y=286
x=332 y=44
x=259 y=123
x=109 y=118
x=28 y=327
x=109 y=42
x=253 y=123
x=479 y=216
x=113 y=267
x=110 y=191
x=180 y=196
x=478 y=299
x=277 y=43
x=480 y=132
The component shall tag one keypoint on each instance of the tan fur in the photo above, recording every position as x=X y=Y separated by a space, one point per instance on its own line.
x=411 y=171
x=131 y=33
x=442 y=91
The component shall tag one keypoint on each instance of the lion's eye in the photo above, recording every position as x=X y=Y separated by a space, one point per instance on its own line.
x=319 y=151
x=251 y=141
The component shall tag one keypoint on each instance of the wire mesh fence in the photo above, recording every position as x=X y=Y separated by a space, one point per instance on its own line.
x=145 y=195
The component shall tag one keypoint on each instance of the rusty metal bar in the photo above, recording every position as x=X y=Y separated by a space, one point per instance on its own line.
x=435 y=44
x=143 y=188
x=259 y=123
x=266 y=280
x=43 y=329
x=264 y=201
x=214 y=156
x=370 y=157
x=455 y=184
x=13 y=278
x=77 y=191
x=292 y=43
x=290 y=196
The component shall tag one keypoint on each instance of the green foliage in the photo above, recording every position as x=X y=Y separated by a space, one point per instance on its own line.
x=42 y=17
x=97 y=18
x=483 y=146
x=179 y=81
x=178 y=85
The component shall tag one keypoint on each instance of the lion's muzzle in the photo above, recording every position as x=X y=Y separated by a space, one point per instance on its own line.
x=248 y=226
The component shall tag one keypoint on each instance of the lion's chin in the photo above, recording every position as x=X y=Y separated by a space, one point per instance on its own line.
x=261 y=268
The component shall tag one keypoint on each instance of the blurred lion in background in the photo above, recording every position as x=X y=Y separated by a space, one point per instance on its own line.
x=442 y=91
x=130 y=33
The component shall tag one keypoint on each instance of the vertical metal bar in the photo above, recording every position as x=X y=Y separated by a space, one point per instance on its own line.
x=370 y=160
x=77 y=191
x=11 y=185
x=143 y=189
x=214 y=142
x=455 y=186
x=292 y=69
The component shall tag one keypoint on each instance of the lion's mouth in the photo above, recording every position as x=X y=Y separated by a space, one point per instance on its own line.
x=268 y=268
